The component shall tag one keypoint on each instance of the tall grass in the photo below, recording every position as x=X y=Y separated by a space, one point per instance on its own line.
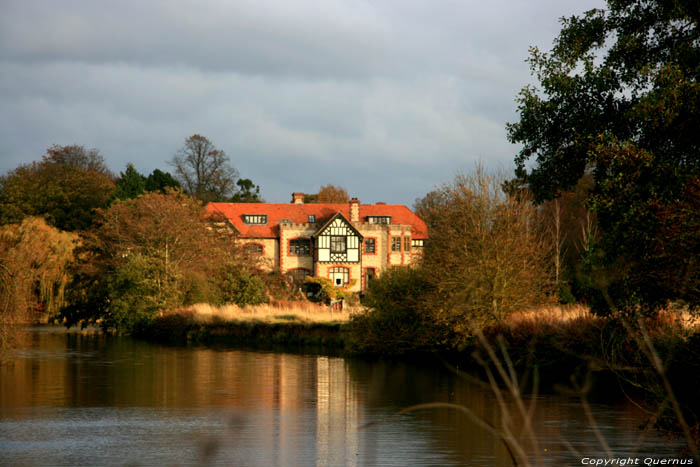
x=280 y=311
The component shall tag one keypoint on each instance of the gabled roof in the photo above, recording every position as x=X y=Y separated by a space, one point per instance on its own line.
x=299 y=214
x=334 y=217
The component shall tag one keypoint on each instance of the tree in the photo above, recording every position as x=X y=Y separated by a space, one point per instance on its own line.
x=56 y=188
x=487 y=255
x=160 y=181
x=619 y=98
x=130 y=184
x=147 y=255
x=34 y=262
x=79 y=157
x=332 y=194
x=204 y=171
x=247 y=192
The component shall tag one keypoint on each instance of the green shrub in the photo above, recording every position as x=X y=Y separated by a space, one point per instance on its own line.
x=199 y=289
x=325 y=291
x=136 y=292
x=244 y=287
x=396 y=321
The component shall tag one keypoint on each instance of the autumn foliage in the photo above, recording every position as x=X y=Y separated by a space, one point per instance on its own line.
x=65 y=188
x=148 y=254
x=332 y=194
x=34 y=273
x=488 y=256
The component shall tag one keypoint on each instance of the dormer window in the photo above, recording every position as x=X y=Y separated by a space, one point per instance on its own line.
x=312 y=219
x=255 y=219
x=379 y=219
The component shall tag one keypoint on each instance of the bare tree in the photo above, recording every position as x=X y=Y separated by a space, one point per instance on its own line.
x=332 y=194
x=486 y=254
x=204 y=171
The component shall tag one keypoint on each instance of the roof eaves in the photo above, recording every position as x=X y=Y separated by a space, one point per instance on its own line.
x=332 y=218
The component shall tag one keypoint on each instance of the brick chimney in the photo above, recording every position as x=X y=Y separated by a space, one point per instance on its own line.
x=298 y=198
x=354 y=210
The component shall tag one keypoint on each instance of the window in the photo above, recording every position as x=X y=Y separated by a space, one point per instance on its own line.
x=253 y=249
x=255 y=219
x=395 y=243
x=370 y=245
x=417 y=243
x=300 y=247
x=370 y=274
x=407 y=244
x=339 y=276
x=337 y=244
x=297 y=277
x=312 y=219
x=379 y=219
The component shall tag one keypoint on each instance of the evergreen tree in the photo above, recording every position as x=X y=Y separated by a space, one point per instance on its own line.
x=247 y=192
x=130 y=184
x=159 y=181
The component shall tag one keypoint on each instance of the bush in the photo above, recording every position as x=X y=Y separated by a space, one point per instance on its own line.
x=136 y=294
x=396 y=321
x=199 y=289
x=325 y=291
x=244 y=287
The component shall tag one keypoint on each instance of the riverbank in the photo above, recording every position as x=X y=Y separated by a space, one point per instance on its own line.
x=537 y=350
x=281 y=323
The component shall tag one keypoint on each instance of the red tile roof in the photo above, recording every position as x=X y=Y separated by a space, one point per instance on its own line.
x=299 y=214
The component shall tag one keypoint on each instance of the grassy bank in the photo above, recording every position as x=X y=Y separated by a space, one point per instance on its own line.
x=280 y=323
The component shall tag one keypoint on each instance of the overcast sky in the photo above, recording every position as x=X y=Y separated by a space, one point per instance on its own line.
x=386 y=98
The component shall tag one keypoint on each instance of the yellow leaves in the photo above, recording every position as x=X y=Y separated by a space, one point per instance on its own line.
x=35 y=256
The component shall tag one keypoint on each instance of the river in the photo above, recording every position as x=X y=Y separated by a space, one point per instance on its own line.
x=83 y=398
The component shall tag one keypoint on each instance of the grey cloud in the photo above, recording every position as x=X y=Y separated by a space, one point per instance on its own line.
x=309 y=39
x=387 y=98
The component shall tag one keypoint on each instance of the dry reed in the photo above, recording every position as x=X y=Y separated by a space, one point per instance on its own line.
x=297 y=311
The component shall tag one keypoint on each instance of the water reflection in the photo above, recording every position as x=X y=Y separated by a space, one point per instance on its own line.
x=84 y=398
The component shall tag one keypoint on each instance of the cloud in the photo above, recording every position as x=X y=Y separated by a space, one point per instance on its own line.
x=387 y=98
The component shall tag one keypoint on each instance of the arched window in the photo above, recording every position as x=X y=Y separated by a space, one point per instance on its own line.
x=339 y=276
x=297 y=277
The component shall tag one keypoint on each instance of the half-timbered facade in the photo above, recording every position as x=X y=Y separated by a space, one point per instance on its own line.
x=348 y=243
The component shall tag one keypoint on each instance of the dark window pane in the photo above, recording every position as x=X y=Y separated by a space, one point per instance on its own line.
x=253 y=249
x=337 y=244
x=300 y=247
x=297 y=277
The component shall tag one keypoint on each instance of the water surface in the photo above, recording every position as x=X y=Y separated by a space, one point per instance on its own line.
x=72 y=398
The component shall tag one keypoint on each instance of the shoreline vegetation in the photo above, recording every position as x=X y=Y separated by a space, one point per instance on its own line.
x=287 y=323
x=653 y=361
x=603 y=210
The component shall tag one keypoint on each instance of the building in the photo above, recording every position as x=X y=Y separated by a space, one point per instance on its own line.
x=349 y=243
